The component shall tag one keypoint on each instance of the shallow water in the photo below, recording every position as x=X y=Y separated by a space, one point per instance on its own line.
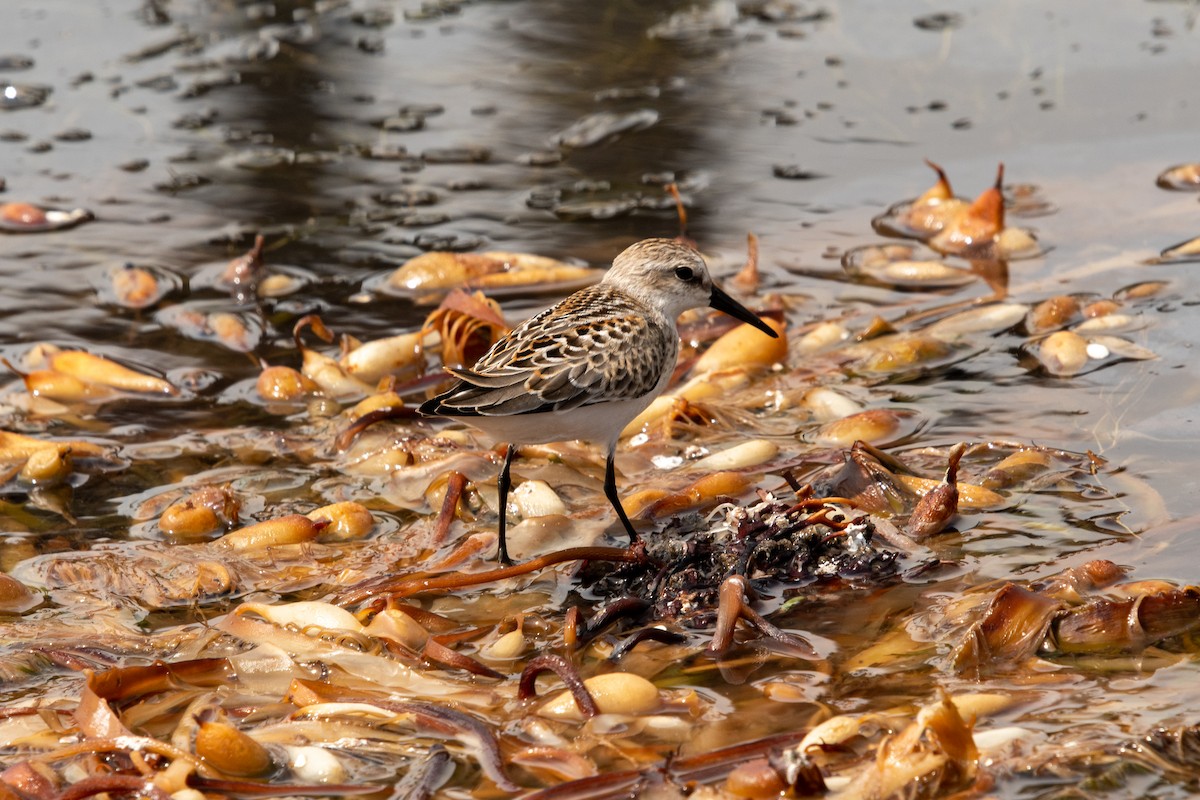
x=210 y=122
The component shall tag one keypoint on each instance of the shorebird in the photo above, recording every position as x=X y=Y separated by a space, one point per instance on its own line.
x=584 y=368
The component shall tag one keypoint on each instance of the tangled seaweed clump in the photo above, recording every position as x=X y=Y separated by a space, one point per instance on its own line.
x=771 y=542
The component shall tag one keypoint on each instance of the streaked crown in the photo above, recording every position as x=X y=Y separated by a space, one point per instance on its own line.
x=664 y=274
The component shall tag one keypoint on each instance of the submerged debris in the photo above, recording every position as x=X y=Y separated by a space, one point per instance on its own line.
x=773 y=541
x=27 y=218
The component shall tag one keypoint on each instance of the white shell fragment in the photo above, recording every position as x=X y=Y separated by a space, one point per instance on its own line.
x=827 y=405
x=312 y=764
x=304 y=614
x=614 y=693
x=822 y=337
x=508 y=647
x=740 y=456
x=536 y=499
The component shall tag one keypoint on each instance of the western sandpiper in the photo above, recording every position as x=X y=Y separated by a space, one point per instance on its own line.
x=583 y=369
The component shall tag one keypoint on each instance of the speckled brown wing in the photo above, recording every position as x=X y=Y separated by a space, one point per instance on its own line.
x=596 y=346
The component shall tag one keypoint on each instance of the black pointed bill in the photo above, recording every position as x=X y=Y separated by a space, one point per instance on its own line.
x=723 y=302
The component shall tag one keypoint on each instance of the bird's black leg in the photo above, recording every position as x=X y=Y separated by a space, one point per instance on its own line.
x=610 y=491
x=503 y=485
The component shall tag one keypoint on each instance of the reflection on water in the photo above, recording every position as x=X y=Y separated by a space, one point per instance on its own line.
x=355 y=135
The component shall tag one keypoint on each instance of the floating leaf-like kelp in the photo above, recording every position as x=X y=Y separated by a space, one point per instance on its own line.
x=467 y=325
x=925 y=216
x=974 y=230
x=236 y=331
x=18 y=217
x=1067 y=353
x=242 y=275
x=432 y=275
x=137 y=287
x=900 y=266
x=394 y=356
x=1180 y=178
x=1183 y=252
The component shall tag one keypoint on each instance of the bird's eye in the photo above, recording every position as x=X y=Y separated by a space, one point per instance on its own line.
x=684 y=273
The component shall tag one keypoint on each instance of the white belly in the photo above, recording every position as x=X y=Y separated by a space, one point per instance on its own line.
x=602 y=422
